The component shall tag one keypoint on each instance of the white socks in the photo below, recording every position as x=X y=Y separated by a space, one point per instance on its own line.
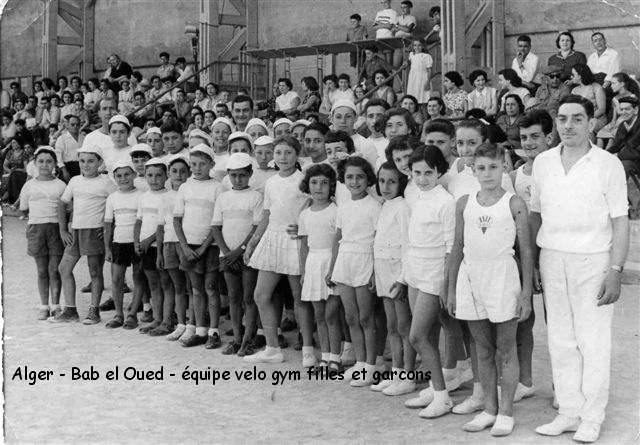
x=201 y=331
x=146 y=306
x=213 y=331
x=332 y=357
x=478 y=393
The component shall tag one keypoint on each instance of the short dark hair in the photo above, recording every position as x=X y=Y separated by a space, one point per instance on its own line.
x=289 y=140
x=376 y=102
x=475 y=113
x=489 y=150
x=181 y=60
x=407 y=2
x=154 y=77
x=524 y=38
x=565 y=33
x=49 y=152
x=164 y=54
x=477 y=125
x=360 y=162
x=408 y=118
x=372 y=48
x=440 y=126
x=137 y=75
x=443 y=107
x=598 y=33
x=399 y=143
x=14 y=84
x=138 y=94
x=320 y=169
x=311 y=83
x=331 y=77
x=475 y=74
x=179 y=159
x=518 y=101
x=171 y=126
x=432 y=155
x=355 y=17
x=412 y=99
x=575 y=99
x=20 y=122
x=433 y=11
x=455 y=77
x=286 y=81
x=344 y=76
x=625 y=100
x=510 y=75
x=316 y=126
x=340 y=136
x=537 y=117
x=242 y=98
x=585 y=73
x=384 y=73
x=403 y=180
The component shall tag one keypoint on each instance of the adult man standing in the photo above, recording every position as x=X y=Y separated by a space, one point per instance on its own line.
x=100 y=137
x=579 y=218
x=526 y=63
x=626 y=142
x=67 y=145
x=604 y=62
x=242 y=111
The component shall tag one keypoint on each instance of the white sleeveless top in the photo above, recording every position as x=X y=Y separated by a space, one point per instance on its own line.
x=489 y=232
x=523 y=185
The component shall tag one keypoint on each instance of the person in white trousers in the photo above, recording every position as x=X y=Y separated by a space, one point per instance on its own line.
x=579 y=220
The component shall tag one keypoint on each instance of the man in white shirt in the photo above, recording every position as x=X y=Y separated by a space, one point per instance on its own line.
x=67 y=145
x=406 y=22
x=526 y=63
x=100 y=137
x=604 y=62
x=579 y=219
x=385 y=20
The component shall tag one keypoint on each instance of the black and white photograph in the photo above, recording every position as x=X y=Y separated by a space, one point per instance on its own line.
x=320 y=221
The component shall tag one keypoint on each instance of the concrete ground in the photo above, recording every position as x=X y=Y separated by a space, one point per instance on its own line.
x=174 y=410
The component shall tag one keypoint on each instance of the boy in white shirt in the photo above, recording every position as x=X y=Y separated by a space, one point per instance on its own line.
x=140 y=154
x=376 y=142
x=84 y=236
x=119 y=220
x=198 y=255
x=385 y=20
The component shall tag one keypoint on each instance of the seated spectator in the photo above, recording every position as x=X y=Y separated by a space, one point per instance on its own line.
x=372 y=64
x=107 y=90
x=329 y=88
x=526 y=64
x=482 y=96
x=37 y=89
x=566 y=57
x=202 y=100
x=551 y=91
x=14 y=171
x=74 y=84
x=156 y=88
x=310 y=102
x=288 y=100
x=384 y=91
x=455 y=99
x=54 y=110
x=209 y=117
x=361 y=101
x=63 y=85
x=344 y=91
x=165 y=69
x=142 y=114
x=410 y=104
x=67 y=104
x=626 y=142
x=356 y=33
x=117 y=70
x=19 y=111
x=510 y=83
x=621 y=86
x=16 y=93
x=509 y=121
x=84 y=115
x=185 y=72
x=125 y=97
x=182 y=105
x=8 y=129
x=221 y=110
x=48 y=86
x=212 y=90
x=587 y=87
x=92 y=96
x=136 y=79
x=5 y=98
x=604 y=62
x=406 y=23
x=224 y=98
x=197 y=121
x=43 y=118
x=436 y=109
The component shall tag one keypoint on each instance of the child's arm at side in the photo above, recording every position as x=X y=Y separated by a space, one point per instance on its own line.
x=304 y=252
x=257 y=235
x=189 y=254
x=136 y=237
x=160 y=244
x=65 y=234
x=108 y=236
x=521 y=218
x=455 y=257
x=334 y=255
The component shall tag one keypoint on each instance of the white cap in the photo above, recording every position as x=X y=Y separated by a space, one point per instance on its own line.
x=178 y=156
x=239 y=160
x=203 y=148
x=119 y=118
x=282 y=120
x=44 y=148
x=155 y=161
x=259 y=122
x=344 y=103
x=304 y=122
x=92 y=149
x=123 y=163
x=143 y=148
x=240 y=135
x=197 y=133
x=155 y=130
x=263 y=140
x=224 y=120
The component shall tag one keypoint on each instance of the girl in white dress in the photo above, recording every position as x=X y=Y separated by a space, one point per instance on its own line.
x=419 y=84
x=317 y=230
x=273 y=251
x=352 y=265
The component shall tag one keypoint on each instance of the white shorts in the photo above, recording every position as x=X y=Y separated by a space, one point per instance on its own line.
x=276 y=252
x=353 y=268
x=487 y=290
x=388 y=271
x=424 y=274
x=316 y=268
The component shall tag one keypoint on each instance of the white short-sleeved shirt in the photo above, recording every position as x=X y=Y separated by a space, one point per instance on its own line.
x=168 y=204
x=67 y=147
x=41 y=199
x=114 y=155
x=358 y=220
x=237 y=211
x=284 y=101
x=385 y=16
x=150 y=212
x=257 y=182
x=380 y=145
x=98 y=139
x=141 y=184
x=194 y=203
x=432 y=223
x=284 y=200
x=406 y=20
x=122 y=207
x=319 y=227
x=89 y=196
x=577 y=207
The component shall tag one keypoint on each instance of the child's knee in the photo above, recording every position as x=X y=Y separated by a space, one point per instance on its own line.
x=404 y=330
x=415 y=336
x=392 y=327
x=366 y=320
x=352 y=318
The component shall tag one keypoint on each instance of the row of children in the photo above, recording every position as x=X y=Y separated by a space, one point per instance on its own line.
x=430 y=238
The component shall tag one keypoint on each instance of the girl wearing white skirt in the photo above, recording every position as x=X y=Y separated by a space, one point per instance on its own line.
x=352 y=264
x=431 y=229
x=317 y=230
x=273 y=251
x=484 y=286
x=388 y=247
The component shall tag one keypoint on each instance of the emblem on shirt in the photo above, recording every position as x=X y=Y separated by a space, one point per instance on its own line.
x=484 y=222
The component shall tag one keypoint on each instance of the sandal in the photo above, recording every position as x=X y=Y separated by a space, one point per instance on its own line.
x=150 y=327
x=130 y=323
x=323 y=364
x=334 y=367
x=160 y=330
x=116 y=322
x=246 y=349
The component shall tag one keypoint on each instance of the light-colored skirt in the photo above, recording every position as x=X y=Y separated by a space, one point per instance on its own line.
x=314 y=286
x=353 y=268
x=424 y=274
x=277 y=252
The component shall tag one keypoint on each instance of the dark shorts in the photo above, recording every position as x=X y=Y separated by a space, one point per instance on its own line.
x=86 y=242
x=206 y=263
x=170 y=255
x=149 y=258
x=123 y=254
x=44 y=240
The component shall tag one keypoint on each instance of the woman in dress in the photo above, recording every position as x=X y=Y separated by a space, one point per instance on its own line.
x=310 y=102
x=419 y=83
x=482 y=96
x=566 y=57
x=385 y=92
x=288 y=100
x=509 y=122
x=455 y=99
x=587 y=87
x=510 y=83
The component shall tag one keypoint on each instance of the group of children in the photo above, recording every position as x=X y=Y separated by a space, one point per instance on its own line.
x=391 y=244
